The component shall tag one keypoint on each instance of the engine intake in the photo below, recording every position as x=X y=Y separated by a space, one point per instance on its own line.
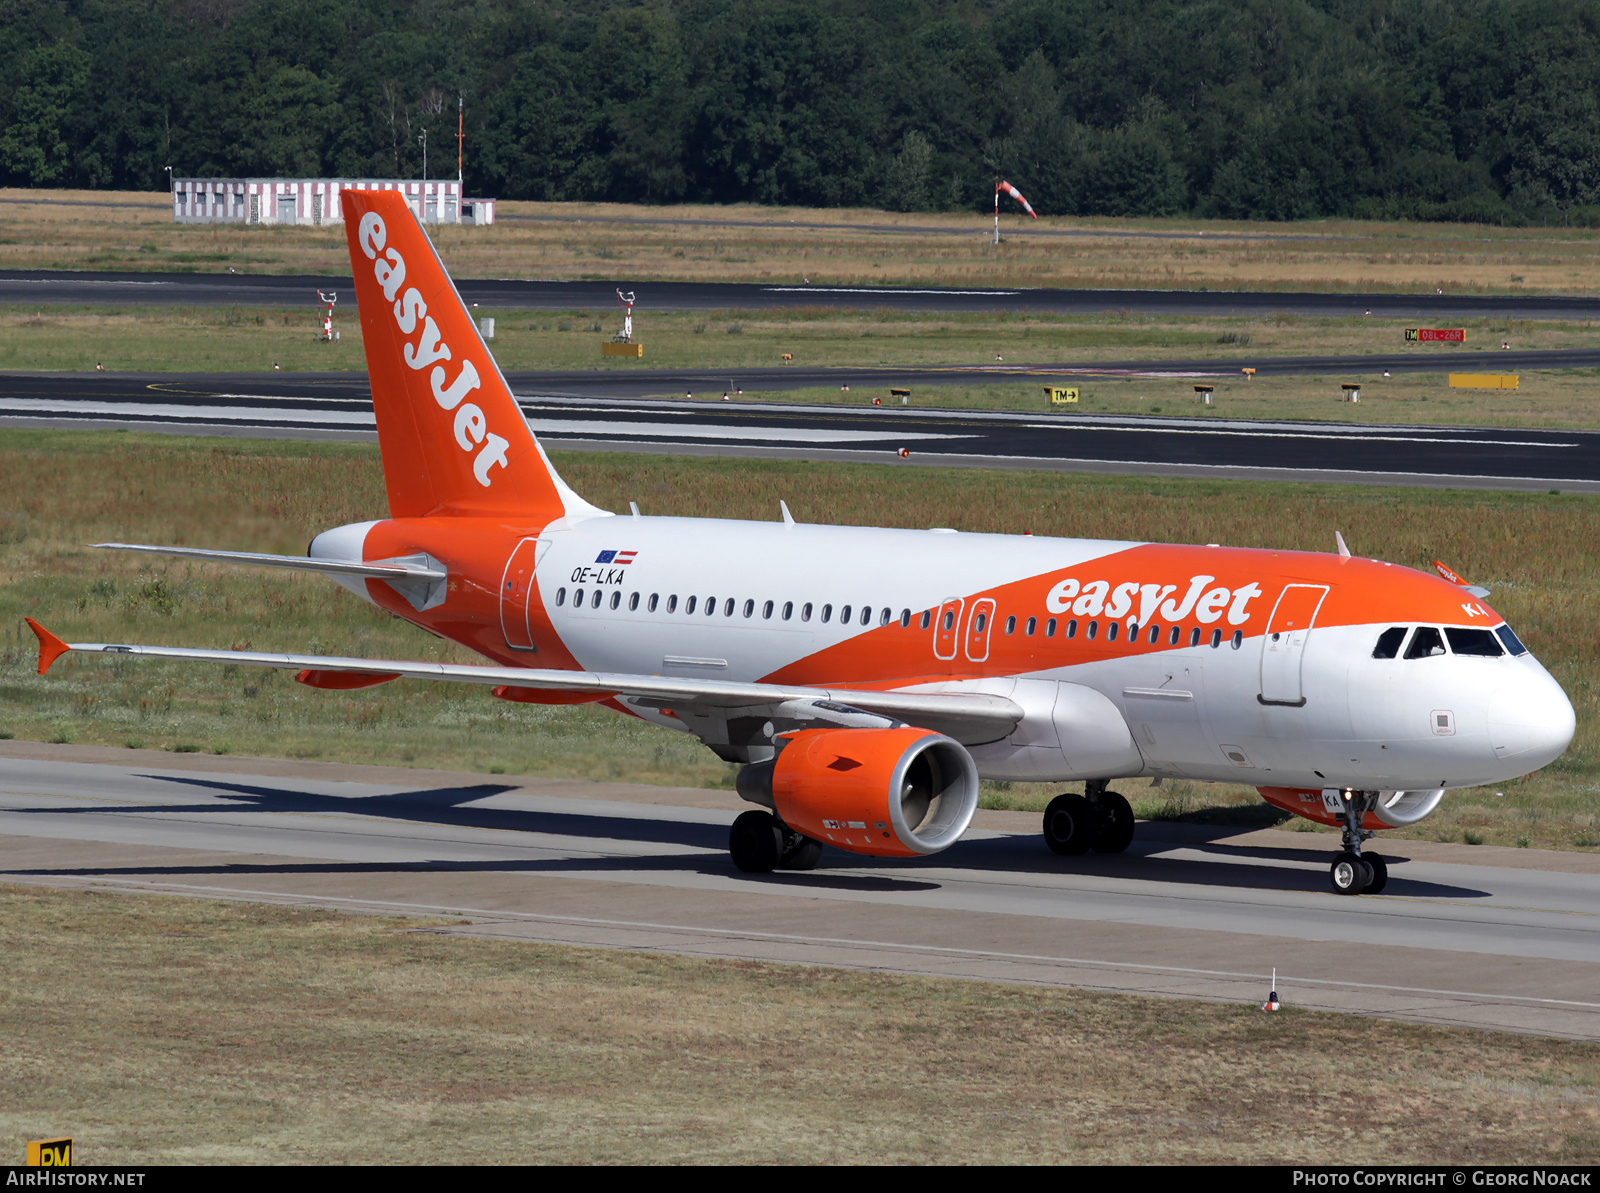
x=882 y=792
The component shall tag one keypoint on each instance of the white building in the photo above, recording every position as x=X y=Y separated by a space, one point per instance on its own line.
x=313 y=201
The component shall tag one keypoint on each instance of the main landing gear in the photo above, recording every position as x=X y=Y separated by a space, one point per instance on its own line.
x=1098 y=819
x=1354 y=872
x=761 y=843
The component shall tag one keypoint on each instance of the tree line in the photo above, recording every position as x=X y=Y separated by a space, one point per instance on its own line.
x=1263 y=109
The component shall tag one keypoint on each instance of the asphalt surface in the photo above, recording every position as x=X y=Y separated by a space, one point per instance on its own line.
x=1511 y=942
x=24 y=287
x=339 y=406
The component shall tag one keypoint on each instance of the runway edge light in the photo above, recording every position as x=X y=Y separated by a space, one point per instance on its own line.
x=1272 y=1003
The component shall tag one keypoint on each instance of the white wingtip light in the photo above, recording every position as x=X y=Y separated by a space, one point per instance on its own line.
x=1338 y=538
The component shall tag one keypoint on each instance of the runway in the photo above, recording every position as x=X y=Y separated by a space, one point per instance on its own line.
x=1474 y=936
x=339 y=406
x=29 y=287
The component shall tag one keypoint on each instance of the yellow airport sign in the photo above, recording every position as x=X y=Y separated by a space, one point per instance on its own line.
x=1483 y=381
x=1061 y=397
x=621 y=349
x=49 y=1153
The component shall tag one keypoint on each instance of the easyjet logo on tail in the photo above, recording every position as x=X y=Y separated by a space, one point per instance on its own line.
x=1098 y=598
x=429 y=351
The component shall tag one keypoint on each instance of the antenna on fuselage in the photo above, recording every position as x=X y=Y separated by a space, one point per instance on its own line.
x=788 y=518
x=634 y=506
x=1343 y=550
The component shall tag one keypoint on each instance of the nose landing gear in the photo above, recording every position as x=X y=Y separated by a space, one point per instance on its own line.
x=1354 y=872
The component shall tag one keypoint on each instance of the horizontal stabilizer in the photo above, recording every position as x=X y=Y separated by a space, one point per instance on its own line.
x=304 y=563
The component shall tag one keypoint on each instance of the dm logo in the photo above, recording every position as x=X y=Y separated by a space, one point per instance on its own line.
x=49 y=1153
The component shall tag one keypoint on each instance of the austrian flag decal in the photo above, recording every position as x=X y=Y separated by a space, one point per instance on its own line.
x=617 y=557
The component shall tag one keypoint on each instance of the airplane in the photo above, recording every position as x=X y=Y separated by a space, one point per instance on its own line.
x=866 y=679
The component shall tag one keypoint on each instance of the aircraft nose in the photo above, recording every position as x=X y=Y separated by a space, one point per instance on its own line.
x=1531 y=721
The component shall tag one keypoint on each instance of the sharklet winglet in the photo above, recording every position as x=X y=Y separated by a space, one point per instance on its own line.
x=51 y=648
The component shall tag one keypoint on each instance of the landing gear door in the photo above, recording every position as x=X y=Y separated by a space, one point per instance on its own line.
x=1284 y=644
x=515 y=590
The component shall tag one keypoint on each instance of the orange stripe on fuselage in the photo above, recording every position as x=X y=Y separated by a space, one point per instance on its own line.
x=1205 y=588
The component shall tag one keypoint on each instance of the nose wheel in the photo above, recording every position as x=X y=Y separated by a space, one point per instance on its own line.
x=1354 y=872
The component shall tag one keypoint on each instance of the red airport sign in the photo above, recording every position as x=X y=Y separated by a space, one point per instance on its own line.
x=1436 y=335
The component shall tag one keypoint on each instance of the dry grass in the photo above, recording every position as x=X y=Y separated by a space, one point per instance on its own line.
x=1533 y=550
x=547 y=240
x=159 y=1030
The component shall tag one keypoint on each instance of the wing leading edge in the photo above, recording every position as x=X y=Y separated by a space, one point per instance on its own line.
x=967 y=716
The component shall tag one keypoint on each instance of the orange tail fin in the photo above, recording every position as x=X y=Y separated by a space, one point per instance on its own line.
x=452 y=437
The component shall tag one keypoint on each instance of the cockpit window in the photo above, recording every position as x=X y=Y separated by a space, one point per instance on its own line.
x=1512 y=642
x=1425 y=643
x=1389 y=642
x=1473 y=642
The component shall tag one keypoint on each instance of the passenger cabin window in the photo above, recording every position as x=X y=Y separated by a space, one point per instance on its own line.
x=827 y=612
x=1512 y=642
x=577 y=598
x=1472 y=642
x=1072 y=628
x=561 y=597
x=1032 y=624
x=616 y=599
x=1389 y=642
x=672 y=603
x=655 y=597
x=1155 y=634
x=598 y=596
x=844 y=615
x=688 y=605
x=1177 y=633
x=866 y=614
x=766 y=611
x=727 y=607
x=1238 y=639
x=926 y=619
x=1111 y=631
x=1425 y=643
x=979 y=622
x=1216 y=639
x=805 y=611
x=788 y=610
x=1194 y=636
x=948 y=621
x=1093 y=629
x=905 y=619
x=750 y=608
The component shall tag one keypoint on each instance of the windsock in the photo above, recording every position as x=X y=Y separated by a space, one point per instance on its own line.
x=1017 y=195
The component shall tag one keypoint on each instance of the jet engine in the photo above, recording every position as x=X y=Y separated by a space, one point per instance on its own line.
x=884 y=792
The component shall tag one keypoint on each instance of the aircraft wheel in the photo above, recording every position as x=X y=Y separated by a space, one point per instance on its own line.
x=1069 y=824
x=1380 y=873
x=756 y=842
x=1348 y=875
x=1116 y=824
x=803 y=856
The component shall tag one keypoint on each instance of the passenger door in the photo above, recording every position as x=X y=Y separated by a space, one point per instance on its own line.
x=1284 y=644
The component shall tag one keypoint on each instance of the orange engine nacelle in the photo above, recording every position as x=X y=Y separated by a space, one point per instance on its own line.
x=883 y=792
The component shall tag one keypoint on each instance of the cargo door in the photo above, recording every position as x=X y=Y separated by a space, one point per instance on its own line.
x=1284 y=644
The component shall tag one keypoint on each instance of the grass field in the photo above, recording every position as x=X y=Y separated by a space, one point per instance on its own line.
x=1534 y=550
x=835 y=247
x=157 y=1031
x=155 y=339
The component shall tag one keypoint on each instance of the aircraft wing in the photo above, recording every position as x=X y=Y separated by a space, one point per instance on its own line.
x=384 y=570
x=966 y=716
